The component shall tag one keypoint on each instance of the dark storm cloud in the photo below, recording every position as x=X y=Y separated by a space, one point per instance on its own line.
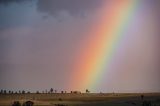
x=6 y=2
x=74 y=7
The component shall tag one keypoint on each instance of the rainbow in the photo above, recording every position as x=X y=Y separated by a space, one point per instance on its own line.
x=98 y=50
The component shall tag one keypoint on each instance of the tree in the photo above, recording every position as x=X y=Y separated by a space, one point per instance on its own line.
x=142 y=96
x=51 y=90
x=5 y=92
x=87 y=91
x=1 y=92
x=37 y=92
x=23 y=92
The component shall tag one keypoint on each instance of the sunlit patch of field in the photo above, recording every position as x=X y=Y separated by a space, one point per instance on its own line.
x=91 y=99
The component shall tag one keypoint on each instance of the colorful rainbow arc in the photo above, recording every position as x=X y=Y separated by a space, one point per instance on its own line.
x=93 y=60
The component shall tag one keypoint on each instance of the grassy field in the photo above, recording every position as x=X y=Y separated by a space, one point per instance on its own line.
x=92 y=99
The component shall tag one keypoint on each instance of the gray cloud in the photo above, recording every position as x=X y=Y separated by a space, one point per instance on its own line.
x=6 y=2
x=74 y=7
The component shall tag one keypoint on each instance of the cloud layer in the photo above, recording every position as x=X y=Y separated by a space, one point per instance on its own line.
x=73 y=7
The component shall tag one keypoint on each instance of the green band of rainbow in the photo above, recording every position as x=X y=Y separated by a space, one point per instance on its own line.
x=94 y=60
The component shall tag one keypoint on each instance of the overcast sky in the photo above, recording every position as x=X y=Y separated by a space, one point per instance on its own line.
x=40 y=39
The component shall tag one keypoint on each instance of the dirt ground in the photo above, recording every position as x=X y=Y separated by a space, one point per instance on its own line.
x=92 y=99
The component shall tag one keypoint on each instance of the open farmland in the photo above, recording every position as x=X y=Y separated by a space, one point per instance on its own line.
x=91 y=99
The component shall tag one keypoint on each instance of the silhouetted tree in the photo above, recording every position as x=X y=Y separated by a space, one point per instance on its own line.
x=23 y=92
x=1 y=92
x=19 y=92
x=51 y=90
x=37 y=92
x=87 y=91
x=142 y=96
x=9 y=92
x=62 y=92
x=5 y=92
x=55 y=91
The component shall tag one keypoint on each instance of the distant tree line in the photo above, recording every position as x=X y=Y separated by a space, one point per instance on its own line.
x=13 y=92
x=51 y=91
